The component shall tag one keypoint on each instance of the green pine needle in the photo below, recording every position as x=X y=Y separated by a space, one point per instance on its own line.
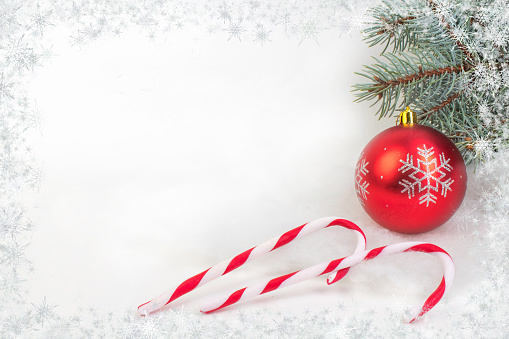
x=441 y=58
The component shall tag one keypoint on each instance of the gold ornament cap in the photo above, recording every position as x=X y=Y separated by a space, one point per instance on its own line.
x=407 y=117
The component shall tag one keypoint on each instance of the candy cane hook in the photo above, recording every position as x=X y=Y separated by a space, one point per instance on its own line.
x=335 y=268
x=229 y=265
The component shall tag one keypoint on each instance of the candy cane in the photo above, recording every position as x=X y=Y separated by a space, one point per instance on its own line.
x=227 y=266
x=335 y=268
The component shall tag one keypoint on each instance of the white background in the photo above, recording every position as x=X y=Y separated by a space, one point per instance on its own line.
x=162 y=158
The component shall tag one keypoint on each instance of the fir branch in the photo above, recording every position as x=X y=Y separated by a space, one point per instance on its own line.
x=473 y=19
x=440 y=106
x=452 y=70
x=393 y=24
x=421 y=74
x=390 y=27
x=434 y=8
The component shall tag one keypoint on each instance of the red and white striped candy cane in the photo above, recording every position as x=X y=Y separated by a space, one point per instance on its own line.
x=229 y=265
x=335 y=267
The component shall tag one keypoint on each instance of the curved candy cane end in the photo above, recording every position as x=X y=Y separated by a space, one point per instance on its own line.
x=208 y=308
x=146 y=308
x=337 y=276
x=417 y=317
x=432 y=300
x=142 y=310
x=150 y=307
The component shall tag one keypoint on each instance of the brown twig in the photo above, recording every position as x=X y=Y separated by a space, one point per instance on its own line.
x=421 y=74
x=398 y=22
x=444 y=103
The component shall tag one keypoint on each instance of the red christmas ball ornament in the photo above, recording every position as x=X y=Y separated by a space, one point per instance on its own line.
x=410 y=178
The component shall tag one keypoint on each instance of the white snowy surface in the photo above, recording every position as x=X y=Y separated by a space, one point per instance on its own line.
x=164 y=156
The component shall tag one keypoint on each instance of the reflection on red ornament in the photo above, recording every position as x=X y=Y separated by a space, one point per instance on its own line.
x=410 y=178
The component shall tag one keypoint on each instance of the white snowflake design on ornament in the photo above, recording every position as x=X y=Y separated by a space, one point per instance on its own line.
x=361 y=185
x=425 y=172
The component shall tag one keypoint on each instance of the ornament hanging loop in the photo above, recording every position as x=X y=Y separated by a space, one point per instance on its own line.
x=407 y=117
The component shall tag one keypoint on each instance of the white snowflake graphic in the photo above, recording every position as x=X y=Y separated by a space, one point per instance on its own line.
x=427 y=176
x=361 y=185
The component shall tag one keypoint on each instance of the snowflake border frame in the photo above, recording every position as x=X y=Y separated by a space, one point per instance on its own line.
x=24 y=47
